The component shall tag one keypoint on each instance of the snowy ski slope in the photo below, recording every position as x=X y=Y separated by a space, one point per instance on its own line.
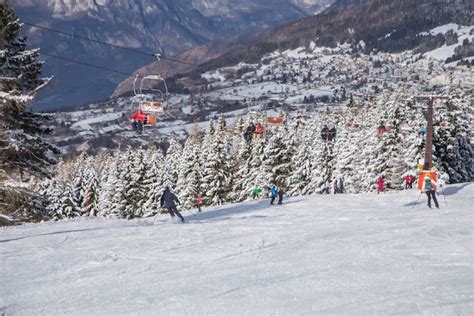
x=326 y=254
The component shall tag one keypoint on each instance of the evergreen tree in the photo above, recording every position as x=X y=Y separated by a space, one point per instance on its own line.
x=22 y=146
x=302 y=164
x=153 y=181
x=452 y=147
x=172 y=161
x=216 y=183
x=189 y=177
x=277 y=160
x=323 y=170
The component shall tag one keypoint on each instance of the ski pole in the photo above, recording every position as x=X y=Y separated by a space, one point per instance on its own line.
x=154 y=218
x=416 y=203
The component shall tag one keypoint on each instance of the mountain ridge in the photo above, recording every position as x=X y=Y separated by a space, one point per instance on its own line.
x=166 y=26
x=354 y=21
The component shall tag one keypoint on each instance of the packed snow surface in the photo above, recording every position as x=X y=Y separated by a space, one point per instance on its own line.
x=325 y=254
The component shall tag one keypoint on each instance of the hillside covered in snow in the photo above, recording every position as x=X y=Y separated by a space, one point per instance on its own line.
x=307 y=79
x=324 y=254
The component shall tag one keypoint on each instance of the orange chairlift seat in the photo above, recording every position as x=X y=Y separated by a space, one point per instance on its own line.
x=275 y=120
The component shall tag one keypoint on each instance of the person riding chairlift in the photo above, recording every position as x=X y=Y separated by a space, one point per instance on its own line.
x=139 y=119
x=380 y=130
x=259 y=129
x=249 y=132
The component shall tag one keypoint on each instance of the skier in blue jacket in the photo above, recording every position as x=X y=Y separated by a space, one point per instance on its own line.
x=274 y=193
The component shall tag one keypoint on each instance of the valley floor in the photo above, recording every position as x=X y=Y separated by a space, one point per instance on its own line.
x=324 y=254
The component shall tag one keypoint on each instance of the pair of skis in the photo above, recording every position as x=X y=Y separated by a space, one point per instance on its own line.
x=421 y=193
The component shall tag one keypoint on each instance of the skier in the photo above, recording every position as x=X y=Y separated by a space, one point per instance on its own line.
x=340 y=185
x=332 y=134
x=139 y=119
x=325 y=133
x=249 y=132
x=258 y=131
x=255 y=192
x=381 y=130
x=274 y=193
x=280 y=196
x=407 y=181
x=430 y=190
x=168 y=200
x=326 y=187
x=199 y=202
x=381 y=184
x=334 y=187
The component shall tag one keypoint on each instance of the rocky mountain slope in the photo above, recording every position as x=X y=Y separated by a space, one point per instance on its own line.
x=385 y=25
x=167 y=26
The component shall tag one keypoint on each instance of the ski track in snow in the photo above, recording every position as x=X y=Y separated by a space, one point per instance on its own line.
x=323 y=254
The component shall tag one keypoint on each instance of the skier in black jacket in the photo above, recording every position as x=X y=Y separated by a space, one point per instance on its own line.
x=281 y=192
x=168 y=200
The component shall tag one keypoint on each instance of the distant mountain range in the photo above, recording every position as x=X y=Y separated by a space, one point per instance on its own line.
x=166 y=26
x=386 y=25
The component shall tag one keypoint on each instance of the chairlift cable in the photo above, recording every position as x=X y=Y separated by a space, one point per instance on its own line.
x=105 y=43
x=86 y=64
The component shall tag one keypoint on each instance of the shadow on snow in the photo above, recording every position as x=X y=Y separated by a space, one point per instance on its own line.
x=227 y=211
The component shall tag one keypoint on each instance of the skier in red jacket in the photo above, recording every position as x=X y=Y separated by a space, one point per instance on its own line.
x=380 y=185
x=259 y=129
x=199 y=202
x=139 y=119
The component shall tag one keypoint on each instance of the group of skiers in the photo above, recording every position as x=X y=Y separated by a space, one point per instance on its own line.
x=429 y=186
x=274 y=192
x=254 y=132
x=138 y=121
x=328 y=134
x=337 y=186
x=409 y=180
x=169 y=199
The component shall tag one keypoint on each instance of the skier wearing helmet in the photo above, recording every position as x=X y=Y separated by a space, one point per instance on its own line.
x=169 y=200
x=430 y=190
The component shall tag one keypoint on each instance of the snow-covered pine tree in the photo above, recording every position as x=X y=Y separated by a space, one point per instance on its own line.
x=347 y=147
x=91 y=183
x=22 y=146
x=189 y=176
x=207 y=142
x=257 y=177
x=171 y=164
x=217 y=177
x=153 y=181
x=108 y=181
x=68 y=207
x=52 y=194
x=277 y=159
x=77 y=179
x=302 y=163
x=241 y=172
x=411 y=118
x=134 y=191
x=393 y=150
x=323 y=166
x=452 y=146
